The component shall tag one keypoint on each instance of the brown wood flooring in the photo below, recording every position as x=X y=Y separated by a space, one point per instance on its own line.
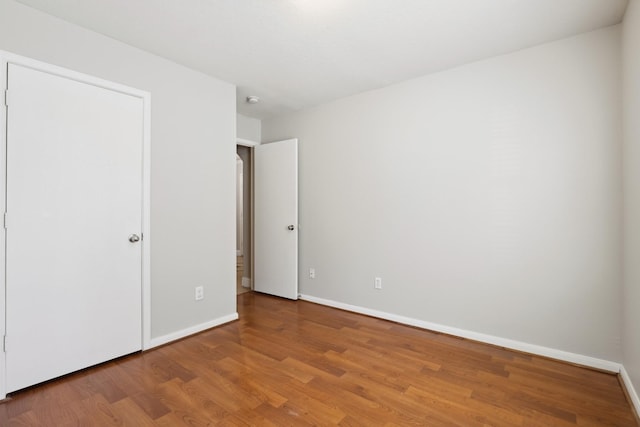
x=287 y=363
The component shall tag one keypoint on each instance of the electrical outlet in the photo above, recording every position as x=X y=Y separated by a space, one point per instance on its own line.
x=377 y=284
x=199 y=293
x=312 y=273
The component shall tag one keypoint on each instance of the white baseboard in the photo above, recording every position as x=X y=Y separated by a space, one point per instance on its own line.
x=246 y=282
x=578 y=359
x=626 y=380
x=155 y=342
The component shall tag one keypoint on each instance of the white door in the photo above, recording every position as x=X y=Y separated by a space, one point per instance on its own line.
x=74 y=199
x=276 y=219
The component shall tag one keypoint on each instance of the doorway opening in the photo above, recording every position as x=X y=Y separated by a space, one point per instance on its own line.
x=243 y=219
x=270 y=217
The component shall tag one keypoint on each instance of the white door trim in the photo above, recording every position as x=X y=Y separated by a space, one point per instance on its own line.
x=7 y=58
x=246 y=142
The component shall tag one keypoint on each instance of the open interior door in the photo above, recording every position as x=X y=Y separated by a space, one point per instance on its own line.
x=276 y=219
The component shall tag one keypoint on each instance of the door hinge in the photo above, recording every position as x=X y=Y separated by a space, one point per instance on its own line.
x=6 y=97
x=4 y=220
x=4 y=343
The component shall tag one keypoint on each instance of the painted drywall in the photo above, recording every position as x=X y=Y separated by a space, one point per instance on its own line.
x=248 y=128
x=631 y=150
x=487 y=197
x=192 y=161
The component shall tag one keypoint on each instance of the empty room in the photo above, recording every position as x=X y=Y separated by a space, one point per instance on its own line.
x=320 y=212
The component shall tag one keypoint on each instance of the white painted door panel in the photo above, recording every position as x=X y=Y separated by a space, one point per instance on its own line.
x=74 y=196
x=276 y=209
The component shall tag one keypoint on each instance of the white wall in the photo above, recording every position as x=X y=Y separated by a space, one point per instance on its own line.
x=192 y=161
x=631 y=91
x=487 y=197
x=248 y=128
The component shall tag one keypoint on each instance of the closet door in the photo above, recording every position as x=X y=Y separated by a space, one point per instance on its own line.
x=74 y=220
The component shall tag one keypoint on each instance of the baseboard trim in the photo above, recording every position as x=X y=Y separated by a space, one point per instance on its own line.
x=246 y=282
x=565 y=356
x=631 y=391
x=155 y=342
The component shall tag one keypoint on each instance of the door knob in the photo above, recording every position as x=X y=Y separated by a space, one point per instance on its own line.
x=291 y=228
x=134 y=238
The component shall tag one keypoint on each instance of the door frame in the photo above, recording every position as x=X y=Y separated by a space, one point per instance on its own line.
x=10 y=58
x=239 y=206
x=251 y=145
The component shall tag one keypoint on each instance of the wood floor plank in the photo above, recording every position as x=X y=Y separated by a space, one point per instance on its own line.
x=293 y=363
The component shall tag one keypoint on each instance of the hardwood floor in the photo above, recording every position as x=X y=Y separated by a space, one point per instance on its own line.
x=287 y=363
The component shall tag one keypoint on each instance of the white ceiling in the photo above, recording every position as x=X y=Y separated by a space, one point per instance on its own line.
x=298 y=53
